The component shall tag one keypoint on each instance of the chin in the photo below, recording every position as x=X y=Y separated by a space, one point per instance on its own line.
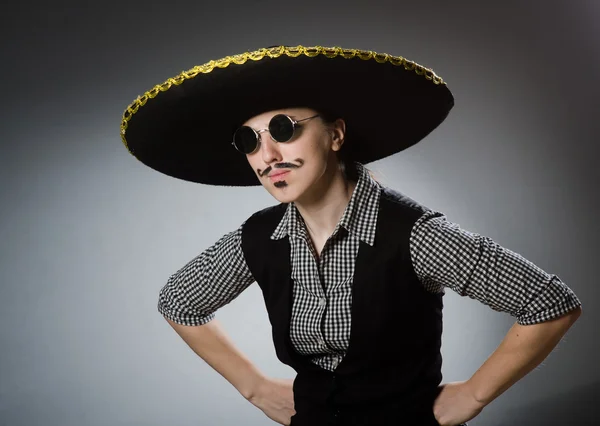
x=284 y=195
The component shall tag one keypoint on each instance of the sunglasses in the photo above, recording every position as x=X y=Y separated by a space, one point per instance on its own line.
x=281 y=128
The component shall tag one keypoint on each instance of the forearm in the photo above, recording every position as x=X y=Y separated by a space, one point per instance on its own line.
x=213 y=345
x=523 y=348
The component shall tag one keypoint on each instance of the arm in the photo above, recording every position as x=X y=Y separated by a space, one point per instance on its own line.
x=523 y=348
x=192 y=295
x=444 y=255
x=213 y=345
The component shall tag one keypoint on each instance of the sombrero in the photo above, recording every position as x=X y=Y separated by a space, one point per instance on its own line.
x=184 y=126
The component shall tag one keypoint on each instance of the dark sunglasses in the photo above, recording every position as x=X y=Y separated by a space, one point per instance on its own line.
x=281 y=128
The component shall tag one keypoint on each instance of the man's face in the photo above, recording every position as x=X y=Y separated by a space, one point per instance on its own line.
x=301 y=162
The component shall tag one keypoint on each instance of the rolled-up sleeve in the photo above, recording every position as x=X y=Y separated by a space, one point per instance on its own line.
x=473 y=265
x=211 y=280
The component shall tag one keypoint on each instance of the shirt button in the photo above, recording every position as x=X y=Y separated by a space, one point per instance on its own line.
x=322 y=302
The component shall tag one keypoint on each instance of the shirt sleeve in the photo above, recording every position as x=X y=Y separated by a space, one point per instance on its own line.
x=444 y=255
x=211 y=280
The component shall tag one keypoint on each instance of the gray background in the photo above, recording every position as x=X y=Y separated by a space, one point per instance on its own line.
x=89 y=235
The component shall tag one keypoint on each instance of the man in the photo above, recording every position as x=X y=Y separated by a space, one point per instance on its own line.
x=345 y=265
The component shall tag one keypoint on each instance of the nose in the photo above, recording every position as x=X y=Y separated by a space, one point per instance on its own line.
x=269 y=149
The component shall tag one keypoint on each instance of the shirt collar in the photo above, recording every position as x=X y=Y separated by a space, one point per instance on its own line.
x=359 y=218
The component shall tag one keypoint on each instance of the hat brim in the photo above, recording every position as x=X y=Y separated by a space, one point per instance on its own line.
x=184 y=127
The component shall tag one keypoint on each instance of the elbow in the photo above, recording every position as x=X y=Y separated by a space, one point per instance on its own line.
x=570 y=317
x=576 y=313
x=172 y=323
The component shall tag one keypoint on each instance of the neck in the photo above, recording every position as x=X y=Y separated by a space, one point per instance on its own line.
x=324 y=208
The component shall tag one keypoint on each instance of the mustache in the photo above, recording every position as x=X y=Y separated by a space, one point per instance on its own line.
x=281 y=166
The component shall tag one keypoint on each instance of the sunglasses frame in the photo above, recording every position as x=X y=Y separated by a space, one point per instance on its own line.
x=258 y=132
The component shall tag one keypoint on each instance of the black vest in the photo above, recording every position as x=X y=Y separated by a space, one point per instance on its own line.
x=392 y=368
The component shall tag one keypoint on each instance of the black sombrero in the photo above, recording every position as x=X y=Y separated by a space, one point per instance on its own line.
x=184 y=126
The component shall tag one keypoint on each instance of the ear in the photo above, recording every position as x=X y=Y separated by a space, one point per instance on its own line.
x=338 y=133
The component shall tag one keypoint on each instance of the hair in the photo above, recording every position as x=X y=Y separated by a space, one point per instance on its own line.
x=345 y=155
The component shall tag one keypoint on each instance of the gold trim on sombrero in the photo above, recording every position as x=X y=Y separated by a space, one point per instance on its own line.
x=272 y=52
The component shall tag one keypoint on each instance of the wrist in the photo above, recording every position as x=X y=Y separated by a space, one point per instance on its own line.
x=252 y=387
x=477 y=394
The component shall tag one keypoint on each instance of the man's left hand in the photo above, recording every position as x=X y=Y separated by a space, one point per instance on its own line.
x=456 y=404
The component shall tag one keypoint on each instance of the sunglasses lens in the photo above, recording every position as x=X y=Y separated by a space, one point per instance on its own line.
x=281 y=128
x=244 y=139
